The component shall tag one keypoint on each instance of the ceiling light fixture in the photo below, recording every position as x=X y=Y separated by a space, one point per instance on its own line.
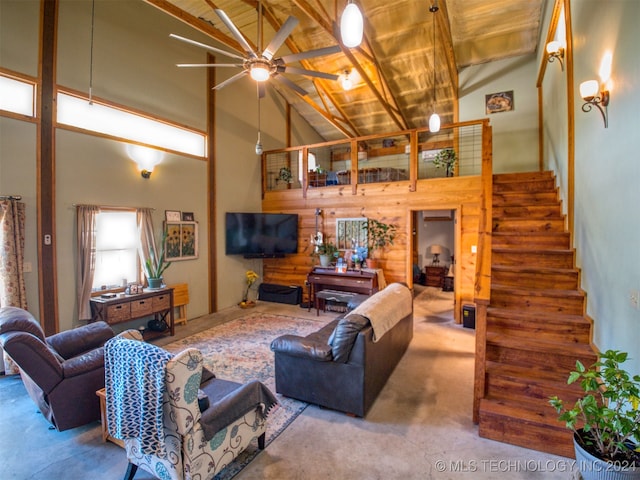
x=594 y=97
x=434 y=119
x=260 y=71
x=555 y=51
x=347 y=83
x=351 y=26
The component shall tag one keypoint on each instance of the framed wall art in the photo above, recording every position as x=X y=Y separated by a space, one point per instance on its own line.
x=172 y=215
x=182 y=241
x=499 y=102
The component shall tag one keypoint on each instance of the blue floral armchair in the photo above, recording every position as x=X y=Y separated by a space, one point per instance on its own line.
x=186 y=452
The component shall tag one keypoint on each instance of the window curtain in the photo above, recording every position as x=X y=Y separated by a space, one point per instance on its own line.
x=12 y=287
x=86 y=264
x=147 y=245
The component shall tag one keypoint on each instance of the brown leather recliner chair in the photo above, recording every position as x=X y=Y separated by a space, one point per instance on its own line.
x=62 y=372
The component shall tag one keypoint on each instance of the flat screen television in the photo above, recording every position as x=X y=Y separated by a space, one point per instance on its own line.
x=261 y=235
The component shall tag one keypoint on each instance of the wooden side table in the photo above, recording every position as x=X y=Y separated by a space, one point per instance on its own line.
x=102 y=395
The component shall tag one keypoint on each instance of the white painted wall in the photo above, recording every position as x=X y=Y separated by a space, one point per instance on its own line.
x=515 y=133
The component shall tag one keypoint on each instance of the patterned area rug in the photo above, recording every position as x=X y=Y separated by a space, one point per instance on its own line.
x=239 y=350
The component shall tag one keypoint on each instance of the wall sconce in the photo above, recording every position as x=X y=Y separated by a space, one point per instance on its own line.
x=146 y=158
x=593 y=96
x=555 y=51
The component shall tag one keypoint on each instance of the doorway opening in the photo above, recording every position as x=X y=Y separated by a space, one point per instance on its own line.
x=434 y=249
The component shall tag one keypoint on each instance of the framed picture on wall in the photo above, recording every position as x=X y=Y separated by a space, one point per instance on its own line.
x=187 y=217
x=182 y=241
x=172 y=216
x=499 y=102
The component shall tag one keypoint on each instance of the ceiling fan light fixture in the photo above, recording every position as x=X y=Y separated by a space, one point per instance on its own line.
x=434 y=123
x=351 y=26
x=260 y=72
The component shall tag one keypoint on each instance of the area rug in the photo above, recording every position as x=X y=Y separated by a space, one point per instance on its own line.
x=239 y=350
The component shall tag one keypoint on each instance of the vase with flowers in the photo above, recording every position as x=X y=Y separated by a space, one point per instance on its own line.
x=250 y=279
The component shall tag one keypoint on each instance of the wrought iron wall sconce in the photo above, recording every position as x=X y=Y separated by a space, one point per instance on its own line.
x=594 y=97
x=555 y=52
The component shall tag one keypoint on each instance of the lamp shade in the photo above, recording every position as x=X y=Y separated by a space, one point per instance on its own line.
x=351 y=26
x=436 y=249
x=589 y=89
x=553 y=47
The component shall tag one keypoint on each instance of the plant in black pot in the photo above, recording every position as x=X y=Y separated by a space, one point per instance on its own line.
x=446 y=158
x=606 y=419
x=154 y=266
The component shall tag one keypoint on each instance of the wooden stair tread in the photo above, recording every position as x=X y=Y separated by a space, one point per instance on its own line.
x=536 y=316
x=531 y=374
x=539 y=345
x=538 y=292
x=530 y=269
x=529 y=412
x=526 y=250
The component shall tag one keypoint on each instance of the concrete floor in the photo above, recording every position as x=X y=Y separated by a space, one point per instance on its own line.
x=419 y=427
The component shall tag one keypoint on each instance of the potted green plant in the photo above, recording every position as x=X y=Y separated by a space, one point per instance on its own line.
x=155 y=267
x=379 y=235
x=606 y=419
x=446 y=158
x=284 y=175
x=326 y=251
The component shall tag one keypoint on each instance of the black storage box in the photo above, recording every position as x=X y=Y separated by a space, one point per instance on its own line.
x=270 y=292
x=469 y=316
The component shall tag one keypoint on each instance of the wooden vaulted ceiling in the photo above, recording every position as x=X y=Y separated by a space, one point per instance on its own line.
x=393 y=70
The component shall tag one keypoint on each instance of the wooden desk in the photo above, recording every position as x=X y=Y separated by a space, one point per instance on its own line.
x=157 y=303
x=356 y=281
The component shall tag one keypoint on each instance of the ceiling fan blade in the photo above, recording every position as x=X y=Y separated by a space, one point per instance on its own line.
x=209 y=65
x=236 y=33
x=229 y=80
x=281 y=35
x=310 y=73
x=208 y=47
x=288 y=83
x=318 y=52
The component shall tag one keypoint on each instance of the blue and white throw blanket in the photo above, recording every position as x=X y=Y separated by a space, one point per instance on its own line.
x=135 y=384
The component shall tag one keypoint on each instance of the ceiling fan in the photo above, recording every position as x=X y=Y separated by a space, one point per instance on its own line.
x=263 y=66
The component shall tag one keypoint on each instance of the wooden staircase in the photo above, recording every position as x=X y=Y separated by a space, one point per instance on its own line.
x=536 y=328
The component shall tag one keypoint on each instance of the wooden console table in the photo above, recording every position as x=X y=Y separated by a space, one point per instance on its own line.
x=355 y=281
x=124 y=308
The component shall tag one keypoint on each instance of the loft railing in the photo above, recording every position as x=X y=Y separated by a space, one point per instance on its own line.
x=400 y=156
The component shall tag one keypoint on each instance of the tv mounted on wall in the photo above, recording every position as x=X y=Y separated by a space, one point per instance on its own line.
x=261 y=235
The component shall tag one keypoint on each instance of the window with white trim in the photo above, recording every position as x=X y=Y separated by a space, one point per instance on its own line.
x=116 y=249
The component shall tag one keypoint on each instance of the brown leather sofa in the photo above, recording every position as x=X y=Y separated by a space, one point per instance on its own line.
x=340 y=366
x=62 y=372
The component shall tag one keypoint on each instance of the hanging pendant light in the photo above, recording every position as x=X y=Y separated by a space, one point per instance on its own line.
x=434 y=120
x=259 y=142
x=351 y=26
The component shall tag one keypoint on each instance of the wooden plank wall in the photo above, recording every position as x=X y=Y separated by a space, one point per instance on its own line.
x=388 y=202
